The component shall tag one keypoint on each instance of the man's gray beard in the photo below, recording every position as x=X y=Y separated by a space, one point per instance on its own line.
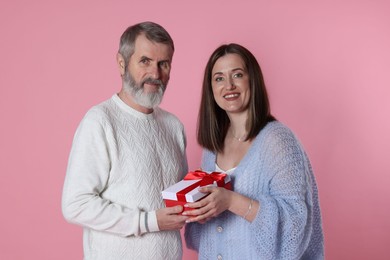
x=148 y=100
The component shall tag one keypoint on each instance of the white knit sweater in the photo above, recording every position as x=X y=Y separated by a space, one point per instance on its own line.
x=120 y=162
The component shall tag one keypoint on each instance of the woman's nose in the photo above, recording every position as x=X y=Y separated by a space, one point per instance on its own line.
x=230 y=84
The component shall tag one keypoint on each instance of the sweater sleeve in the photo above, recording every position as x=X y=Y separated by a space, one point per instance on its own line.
x=86 y=178
x=283 y=225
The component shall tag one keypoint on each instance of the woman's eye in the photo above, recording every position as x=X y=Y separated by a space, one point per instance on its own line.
x=237 y=75
x=218 y=79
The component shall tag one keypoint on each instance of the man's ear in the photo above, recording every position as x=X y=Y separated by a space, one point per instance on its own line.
x=121 y=63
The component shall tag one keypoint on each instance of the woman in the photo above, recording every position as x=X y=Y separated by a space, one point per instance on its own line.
x=273 y=211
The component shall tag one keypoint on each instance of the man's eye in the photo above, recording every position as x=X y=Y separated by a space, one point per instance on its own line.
x=164 y=65
x=145 y=61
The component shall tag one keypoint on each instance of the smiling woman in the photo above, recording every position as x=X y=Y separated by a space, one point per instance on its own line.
x=274 y=203
x=230 y=84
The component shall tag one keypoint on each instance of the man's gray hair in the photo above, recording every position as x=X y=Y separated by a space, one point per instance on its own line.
x=153 y=32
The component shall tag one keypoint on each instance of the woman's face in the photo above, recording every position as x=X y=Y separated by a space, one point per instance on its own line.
x=230 y=83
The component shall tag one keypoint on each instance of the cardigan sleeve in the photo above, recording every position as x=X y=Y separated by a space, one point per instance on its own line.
x=283 y=225
x=192 y=235
x=86 y=178
x=194 y=230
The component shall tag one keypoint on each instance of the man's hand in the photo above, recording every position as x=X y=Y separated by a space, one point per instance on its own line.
x=168 y=218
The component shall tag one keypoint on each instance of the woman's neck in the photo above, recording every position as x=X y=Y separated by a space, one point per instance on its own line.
x=237 y=127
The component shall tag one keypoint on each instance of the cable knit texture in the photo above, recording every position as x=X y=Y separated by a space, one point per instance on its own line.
x=120 y=162
x=277 y=173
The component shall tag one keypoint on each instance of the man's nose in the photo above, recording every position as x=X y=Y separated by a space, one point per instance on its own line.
x=155 y=72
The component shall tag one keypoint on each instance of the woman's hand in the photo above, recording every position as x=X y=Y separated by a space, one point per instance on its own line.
x=218 y=200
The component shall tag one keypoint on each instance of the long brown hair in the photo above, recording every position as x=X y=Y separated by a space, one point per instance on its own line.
x=213 y=122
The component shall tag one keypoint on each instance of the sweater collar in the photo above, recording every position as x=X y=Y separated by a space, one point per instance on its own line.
x=126 y=108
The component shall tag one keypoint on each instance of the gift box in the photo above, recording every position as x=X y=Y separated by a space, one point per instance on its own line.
x=187 y=189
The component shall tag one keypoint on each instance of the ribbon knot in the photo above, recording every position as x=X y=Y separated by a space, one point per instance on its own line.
x=205 y=179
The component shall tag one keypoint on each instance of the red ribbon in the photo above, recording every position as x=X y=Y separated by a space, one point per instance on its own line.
x=205 y=179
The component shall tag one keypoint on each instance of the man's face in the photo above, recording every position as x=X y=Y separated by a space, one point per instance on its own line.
x=147 y=73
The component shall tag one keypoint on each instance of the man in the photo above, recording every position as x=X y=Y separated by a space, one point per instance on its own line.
x=126 y=150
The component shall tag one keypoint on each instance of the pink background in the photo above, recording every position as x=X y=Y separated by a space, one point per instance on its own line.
x=326 y=65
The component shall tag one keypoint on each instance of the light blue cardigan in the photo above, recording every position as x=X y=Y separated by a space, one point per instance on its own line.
x=277 y=173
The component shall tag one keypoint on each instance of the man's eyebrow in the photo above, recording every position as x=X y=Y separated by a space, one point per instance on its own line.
x=145 y=58
x=150 y=59
x=165 y=61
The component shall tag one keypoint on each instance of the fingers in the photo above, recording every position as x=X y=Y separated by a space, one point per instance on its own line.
x=203 y=218
x=202 y=214
x=205 y=200
x=175 y=210
x=198 y=204
x=207 y=189
x=168 y=219
x=202 y=206
x=209 y=207
x=198 y=208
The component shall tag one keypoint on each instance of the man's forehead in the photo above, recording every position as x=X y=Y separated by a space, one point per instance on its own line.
x=151 y=49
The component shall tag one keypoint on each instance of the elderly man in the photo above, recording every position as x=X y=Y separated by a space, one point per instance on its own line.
x=126 y=150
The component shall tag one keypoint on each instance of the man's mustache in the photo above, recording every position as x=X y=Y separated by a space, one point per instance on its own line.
x=153 y=81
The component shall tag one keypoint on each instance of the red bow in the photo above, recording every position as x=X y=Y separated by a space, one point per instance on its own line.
x=205 y=179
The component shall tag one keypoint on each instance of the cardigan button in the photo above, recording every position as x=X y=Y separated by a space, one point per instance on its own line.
x=219 y=257
x=219 y=229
